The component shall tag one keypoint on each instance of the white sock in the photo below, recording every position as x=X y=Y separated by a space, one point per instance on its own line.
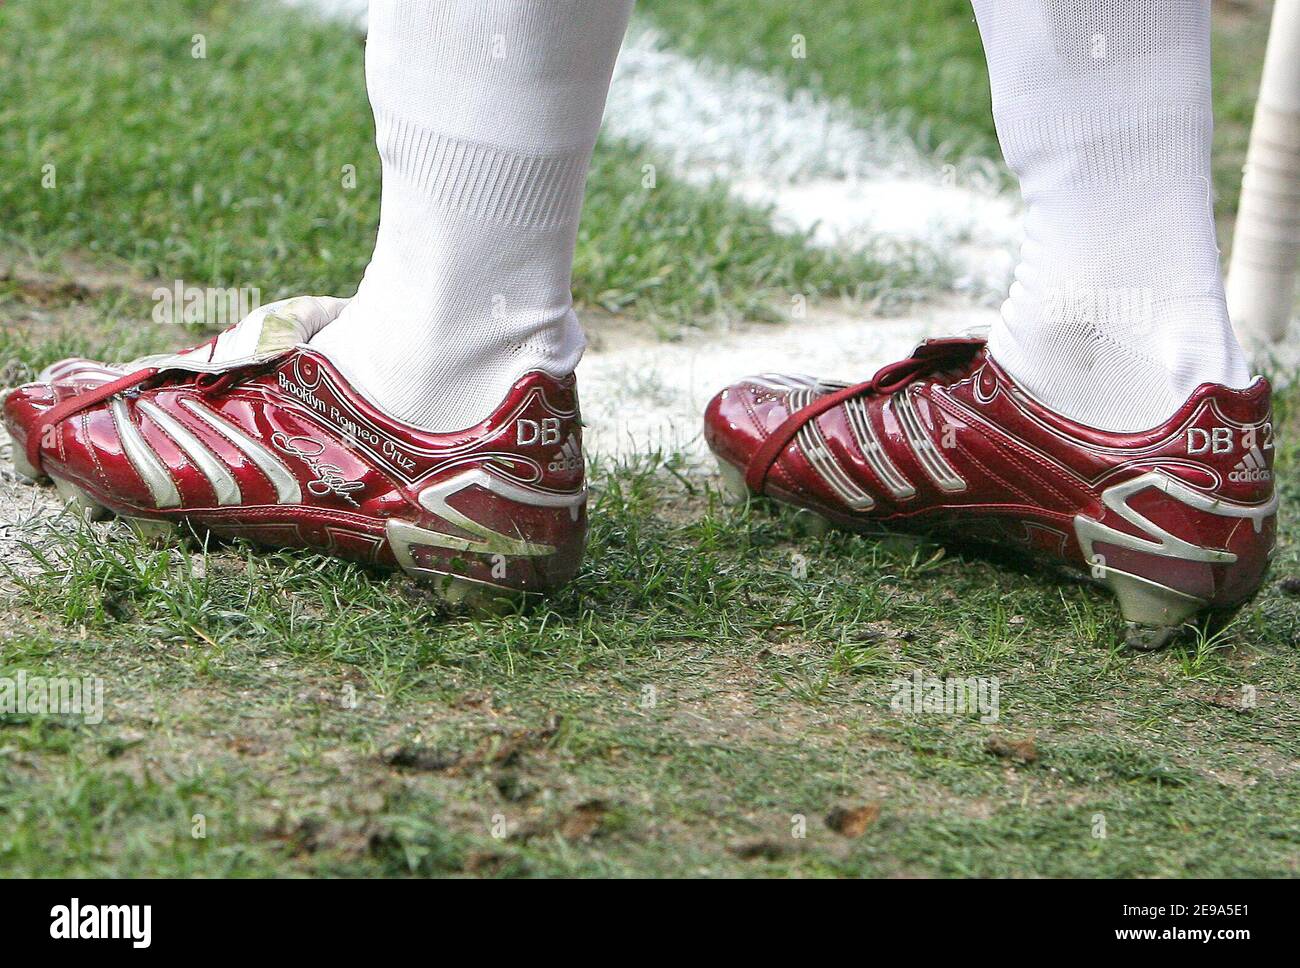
x=1103 y=110
x=486 y=113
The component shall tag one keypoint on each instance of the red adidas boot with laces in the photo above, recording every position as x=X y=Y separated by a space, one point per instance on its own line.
x=1174 y=520
x=255 y=435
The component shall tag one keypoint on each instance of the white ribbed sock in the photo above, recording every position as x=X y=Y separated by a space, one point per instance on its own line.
x=1103 y=110
x=486 y=114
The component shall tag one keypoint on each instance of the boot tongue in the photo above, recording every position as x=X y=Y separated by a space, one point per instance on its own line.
x=264 y=334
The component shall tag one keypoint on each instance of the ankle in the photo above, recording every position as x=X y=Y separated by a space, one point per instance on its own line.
x=445 y=372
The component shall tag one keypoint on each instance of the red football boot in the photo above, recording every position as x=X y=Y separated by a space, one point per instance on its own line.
x=1174 y=519
x=275 y=446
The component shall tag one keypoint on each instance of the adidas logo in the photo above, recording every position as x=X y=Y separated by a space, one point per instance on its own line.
x=1251 y=468
x=568 y=457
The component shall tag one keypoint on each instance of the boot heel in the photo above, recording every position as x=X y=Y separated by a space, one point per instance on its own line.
x=510 y=544
x=1153 y=613
x=406 y=541
x=1209 y=556
x=477 y=597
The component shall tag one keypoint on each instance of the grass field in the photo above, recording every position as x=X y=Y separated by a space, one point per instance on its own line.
x=713 y=696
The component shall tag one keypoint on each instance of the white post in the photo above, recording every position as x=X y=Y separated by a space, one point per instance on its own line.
x=1266 y=244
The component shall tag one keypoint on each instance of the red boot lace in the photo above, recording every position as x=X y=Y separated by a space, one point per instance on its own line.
x=931 y=356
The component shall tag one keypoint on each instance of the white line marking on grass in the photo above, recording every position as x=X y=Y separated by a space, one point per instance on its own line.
x=825 y=169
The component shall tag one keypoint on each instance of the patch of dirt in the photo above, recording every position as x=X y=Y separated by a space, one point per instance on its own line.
x=352 y=837
x=760 y=849
x=581 y=824
x=496 y=749
x=1023 y=751
x=78 y=278
x=43 y=293
x=853 y=822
